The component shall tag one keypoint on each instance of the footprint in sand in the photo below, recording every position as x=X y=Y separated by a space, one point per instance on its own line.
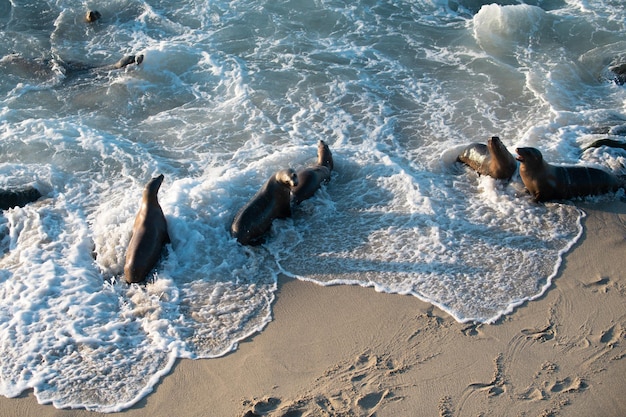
x=540 y=335
x=533 y=394
x=360 y=387
x=471 y=330
x=263 y=407
x=292 y=413
x=601 y=285
x=371 y=401
x=612 y=335
x=567 y=385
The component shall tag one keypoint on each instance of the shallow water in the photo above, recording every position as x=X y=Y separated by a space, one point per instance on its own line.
x=230 y=92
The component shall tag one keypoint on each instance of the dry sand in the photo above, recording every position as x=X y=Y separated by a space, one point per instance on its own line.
x=349 y=351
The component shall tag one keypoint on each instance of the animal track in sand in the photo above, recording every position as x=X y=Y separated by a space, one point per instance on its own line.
x=262 y=407
x=601 y=284
x=540 y=335
x=355 y=388
x=612 y=335
x=472 y=330
x=548 y=387
x=445 y=407
x=370 y=402
x=533 y=394
x=567 y=385
x=606 y=343
x=493 y=388
x=604 y=285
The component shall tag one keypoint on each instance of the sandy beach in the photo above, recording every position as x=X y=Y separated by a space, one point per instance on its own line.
x=350 y=351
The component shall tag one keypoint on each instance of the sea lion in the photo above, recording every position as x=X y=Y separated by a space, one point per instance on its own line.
x=311 y=178
x=76 y=68
x=149 y=235
x=271 y=202
x=492 y=159
x=620 y=73
x=92 y=16
x=610 y=143
x=549 y=182
x=44 y=68
x=18 y=198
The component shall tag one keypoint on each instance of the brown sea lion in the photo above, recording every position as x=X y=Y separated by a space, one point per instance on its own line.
x=492 y=159
x=18 y=198
x=271 y=202
x=92 y=16
x=149 y=235
x=549 y=182
x=311 y=178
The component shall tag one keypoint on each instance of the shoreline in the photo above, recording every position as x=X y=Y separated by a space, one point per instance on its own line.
x=353 y=351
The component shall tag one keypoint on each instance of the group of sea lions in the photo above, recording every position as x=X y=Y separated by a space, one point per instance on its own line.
x=44 y=67
x=274 y=200
x=289 y=187
x=542 y=180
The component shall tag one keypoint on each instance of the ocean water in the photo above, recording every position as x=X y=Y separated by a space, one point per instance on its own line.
x=230 y=92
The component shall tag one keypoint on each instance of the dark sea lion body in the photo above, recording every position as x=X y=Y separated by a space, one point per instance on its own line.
x=620 y=73
x=76 y=68
x=149 y=235
x=549 y=182
x=311 y=178
x=610 y=143
x=492 y=159
x=44 y=68
x=271 y=202
x=18 y=198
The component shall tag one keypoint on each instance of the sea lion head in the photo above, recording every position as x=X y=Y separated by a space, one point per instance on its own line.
x=92 y=16
x=502 y=163
x=531 y=157
x=287 y=177
x=619 y=69
x=152 y=187
x=496 y=146
x=324 y=156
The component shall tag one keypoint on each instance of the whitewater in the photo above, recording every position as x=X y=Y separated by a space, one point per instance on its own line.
x=228 y=93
